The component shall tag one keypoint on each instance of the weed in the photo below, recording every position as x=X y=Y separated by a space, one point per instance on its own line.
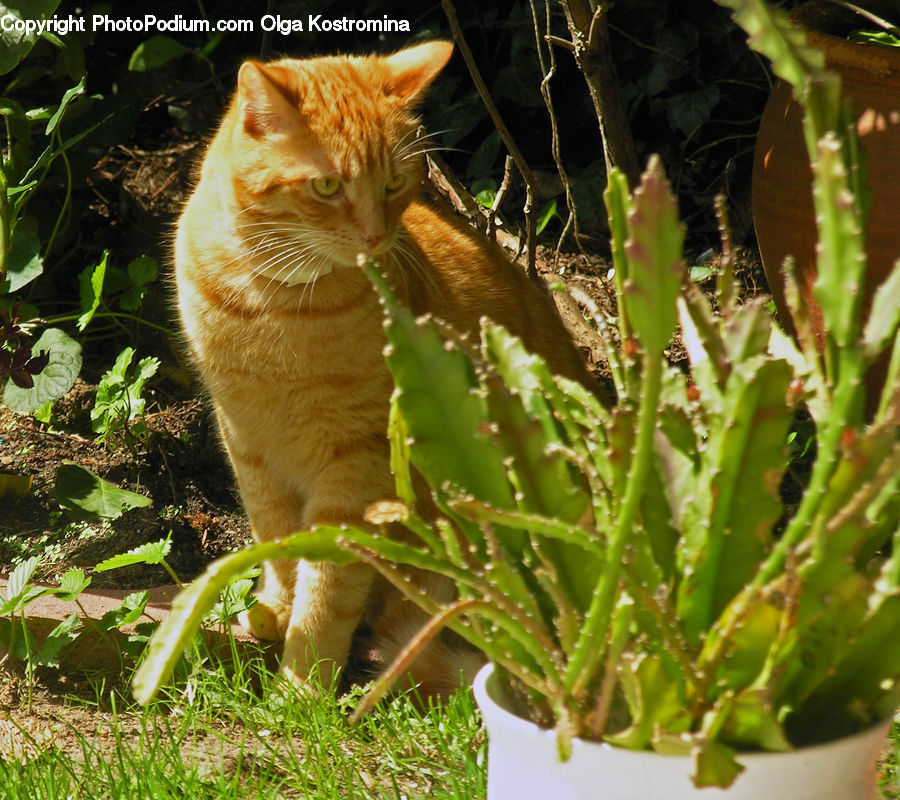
x=120 y=404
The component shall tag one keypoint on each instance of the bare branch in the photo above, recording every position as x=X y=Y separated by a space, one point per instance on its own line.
x=505 y=135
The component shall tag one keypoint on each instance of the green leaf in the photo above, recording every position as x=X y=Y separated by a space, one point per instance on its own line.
x=16 y=638
x=619 y=205
x=699 y=274
x=149 y=553
x=16 y=44
x=54 y=381
x=484 y=190
x=445 y=415
x=748 y=647
x=192 y=604
x=73 y=583
x=728 y=523
x=154 y=52
x=67 y=98
x=90 y=284
x=841 y=255
x=140 y=272
x=884 y=38
x=751 y=723
x=25 y=260
x=86 y=496
x=655 y=268
x=65 y=633
x=654 y=701
x=482 y=161
x=884 y=317
x=119 y=398
x=687 y=111
x=19 y=589
x=547 y=213
x=715 y=765
x=129 y=611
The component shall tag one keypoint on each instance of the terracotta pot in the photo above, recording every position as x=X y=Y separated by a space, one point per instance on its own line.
x=523 y=763
x=782 y=178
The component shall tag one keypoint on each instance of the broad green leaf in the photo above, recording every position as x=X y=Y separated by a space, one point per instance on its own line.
x=687 y=111
x=25 y=260
x=861 y=689
x=142 y=270
x=154 y=52
x=63 y=634
x=55 y=380
x=15 y=43
x=86 y=496
x=90 y=284
x=527 y=428
x=749 y=647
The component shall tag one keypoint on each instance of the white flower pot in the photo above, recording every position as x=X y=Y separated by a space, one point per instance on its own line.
x=523 y=765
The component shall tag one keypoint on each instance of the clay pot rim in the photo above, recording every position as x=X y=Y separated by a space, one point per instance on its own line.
x=826 y=24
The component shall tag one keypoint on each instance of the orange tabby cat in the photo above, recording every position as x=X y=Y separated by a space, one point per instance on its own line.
x=315 y=162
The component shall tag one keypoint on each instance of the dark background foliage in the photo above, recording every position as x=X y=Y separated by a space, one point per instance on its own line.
x=692 y=88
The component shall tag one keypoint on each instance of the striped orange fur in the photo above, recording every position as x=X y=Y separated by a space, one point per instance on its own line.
x=315 y=162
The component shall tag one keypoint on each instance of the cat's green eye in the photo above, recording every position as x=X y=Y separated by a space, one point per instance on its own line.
x=326 y=187
x=395 y=182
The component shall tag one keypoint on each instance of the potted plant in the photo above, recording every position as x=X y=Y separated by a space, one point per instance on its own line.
x=783 y=210
x=634 y=576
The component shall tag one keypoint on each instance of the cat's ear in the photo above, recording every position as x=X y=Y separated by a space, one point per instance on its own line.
x=412 y=70
x=263 y=108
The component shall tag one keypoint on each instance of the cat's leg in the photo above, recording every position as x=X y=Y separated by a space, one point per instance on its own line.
x=329 y=600
x=274 y=512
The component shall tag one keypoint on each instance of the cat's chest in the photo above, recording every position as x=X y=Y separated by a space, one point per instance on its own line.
x=292 y=340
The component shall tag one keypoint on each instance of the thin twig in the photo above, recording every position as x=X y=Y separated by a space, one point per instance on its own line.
x=505 y=135
x=508 y=166
x=548 y=71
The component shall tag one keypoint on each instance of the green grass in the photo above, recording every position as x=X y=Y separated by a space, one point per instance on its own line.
x=889 y=767
x=236 y=732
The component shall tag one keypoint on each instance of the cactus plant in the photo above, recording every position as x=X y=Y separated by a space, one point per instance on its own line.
x=634 y=571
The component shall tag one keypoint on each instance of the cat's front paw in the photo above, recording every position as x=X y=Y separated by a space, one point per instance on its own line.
x=268 y=619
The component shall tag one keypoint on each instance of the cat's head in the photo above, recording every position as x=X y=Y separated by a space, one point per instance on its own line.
x=323 y=151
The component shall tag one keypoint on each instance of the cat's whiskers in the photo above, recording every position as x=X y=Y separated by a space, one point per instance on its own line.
x=404 y=248
x=406 y=145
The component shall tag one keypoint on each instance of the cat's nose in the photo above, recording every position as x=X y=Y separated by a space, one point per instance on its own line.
x=372 y=240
